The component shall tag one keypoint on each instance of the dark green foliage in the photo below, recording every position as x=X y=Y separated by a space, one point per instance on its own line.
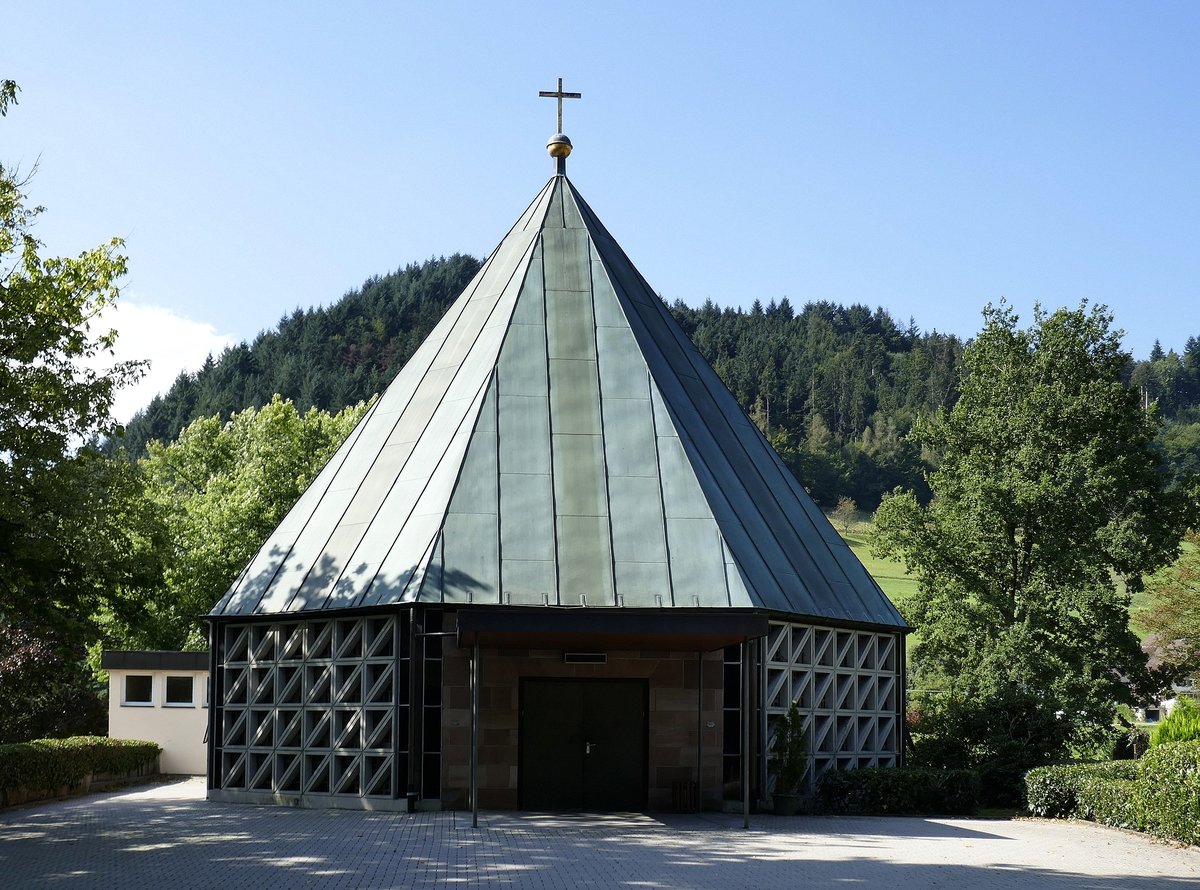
x=83 y=538
x=1170 y=786
x=46 y=688
x=49 y=764
x=1172 y=615
x=1111 y=800
x=325 y=358
x=1181 y=725
x=1159 y=794
x=790 y=749
x=899 y=791
x=1180 y=444
x=1048 y=488
x=1171 y=382
x=835 y=389
x=999 y=734
x=1052 y=791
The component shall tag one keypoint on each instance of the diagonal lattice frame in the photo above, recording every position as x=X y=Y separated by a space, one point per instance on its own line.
x=313 y=707
x=847 y=685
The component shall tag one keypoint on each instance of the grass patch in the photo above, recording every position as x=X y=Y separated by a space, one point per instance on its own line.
x=899 y=585
x=1143 y=600
x=890 y=574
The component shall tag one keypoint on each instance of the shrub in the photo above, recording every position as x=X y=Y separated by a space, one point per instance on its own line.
x=1181 y=725
x=1000 y=735
x=46 y=689
x=1110 y=801
x=791 y=751
x=1159 y=793
x=49 y=764
x=1170 y=780
x=1050 y=791
x=896 y=790
x=1077 y=789
x=1108 y=793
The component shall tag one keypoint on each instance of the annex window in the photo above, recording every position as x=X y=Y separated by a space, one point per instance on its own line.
x=139 y=689
x=180 y=692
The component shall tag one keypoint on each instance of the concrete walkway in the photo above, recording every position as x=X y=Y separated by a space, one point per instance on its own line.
x=168 y=836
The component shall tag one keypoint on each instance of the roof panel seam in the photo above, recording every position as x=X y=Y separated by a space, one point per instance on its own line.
x=343 y=452
x=690 y=354
x=400 y=472
x=460 y=304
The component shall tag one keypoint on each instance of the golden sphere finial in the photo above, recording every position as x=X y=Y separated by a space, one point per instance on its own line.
x=559 y=146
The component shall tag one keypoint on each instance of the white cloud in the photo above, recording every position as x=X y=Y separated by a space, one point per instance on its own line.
x=170 y=343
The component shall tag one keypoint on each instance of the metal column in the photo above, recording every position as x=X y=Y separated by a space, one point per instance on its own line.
x=416 y=704
x=475 y=734
x=216 y=703
x=745 y=734
x=699 y=732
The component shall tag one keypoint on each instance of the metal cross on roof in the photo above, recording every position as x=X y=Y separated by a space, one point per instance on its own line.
x=559 y=95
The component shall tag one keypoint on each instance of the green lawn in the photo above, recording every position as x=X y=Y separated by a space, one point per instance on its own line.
x=1142 y=600
x=889 y=573
x=899 y=585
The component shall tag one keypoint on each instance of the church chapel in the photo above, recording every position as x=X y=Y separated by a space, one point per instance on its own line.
x=555 y=567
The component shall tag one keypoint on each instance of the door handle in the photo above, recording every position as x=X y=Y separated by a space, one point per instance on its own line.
x=588 y=747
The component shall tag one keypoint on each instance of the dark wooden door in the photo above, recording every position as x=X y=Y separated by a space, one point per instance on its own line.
x=583 y=745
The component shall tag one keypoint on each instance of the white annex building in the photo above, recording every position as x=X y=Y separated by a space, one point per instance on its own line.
x=161 y=697
x=555 y=566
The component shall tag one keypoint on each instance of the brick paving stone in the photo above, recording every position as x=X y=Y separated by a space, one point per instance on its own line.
x=169 y=836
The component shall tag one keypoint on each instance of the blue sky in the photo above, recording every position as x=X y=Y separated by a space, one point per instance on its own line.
x=923 y=157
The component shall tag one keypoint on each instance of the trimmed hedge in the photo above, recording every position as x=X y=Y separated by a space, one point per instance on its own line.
x=1171 y=780
x=899 y=790
x=1051 y=791
x=47 y=765
x=1159 y=794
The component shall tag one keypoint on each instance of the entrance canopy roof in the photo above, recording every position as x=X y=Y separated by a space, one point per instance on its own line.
x=677 y=630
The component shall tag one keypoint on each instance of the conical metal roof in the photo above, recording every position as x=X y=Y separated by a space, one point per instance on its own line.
x=558 y=441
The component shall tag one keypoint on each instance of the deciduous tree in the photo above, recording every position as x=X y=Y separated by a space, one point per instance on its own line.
x=221 y=489
x=845 y=513
x=56 y=496
x=1047 y=490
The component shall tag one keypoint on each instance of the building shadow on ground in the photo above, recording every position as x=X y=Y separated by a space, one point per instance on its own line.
x=132 y=840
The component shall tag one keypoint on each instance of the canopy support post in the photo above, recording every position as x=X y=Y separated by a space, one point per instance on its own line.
x=745 y=715
x=475 y=733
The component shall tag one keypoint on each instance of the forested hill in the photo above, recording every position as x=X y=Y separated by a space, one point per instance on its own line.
x=327 y=357
x=835 y=388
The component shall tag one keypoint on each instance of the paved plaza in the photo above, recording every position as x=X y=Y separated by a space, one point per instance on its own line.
x=168 y=836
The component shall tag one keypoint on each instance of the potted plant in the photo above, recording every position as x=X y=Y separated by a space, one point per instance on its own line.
x=790 y=748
